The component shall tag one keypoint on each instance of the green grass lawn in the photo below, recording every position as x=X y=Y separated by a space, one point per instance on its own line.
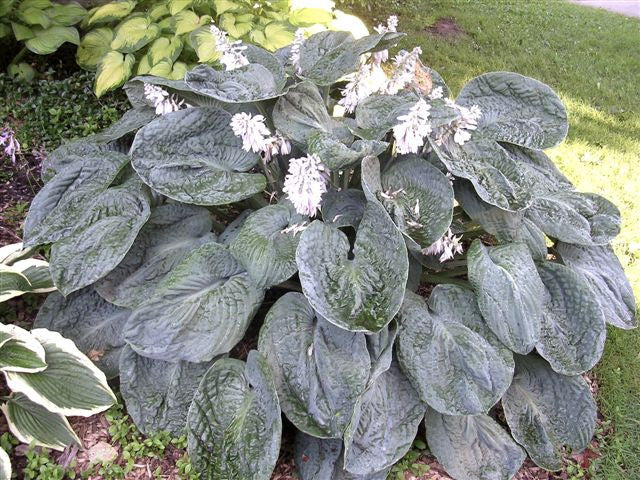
x=591 y=58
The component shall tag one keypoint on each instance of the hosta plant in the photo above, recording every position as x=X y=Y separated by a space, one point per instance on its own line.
x=49 y=379
x=20 y=273
x=394 y=257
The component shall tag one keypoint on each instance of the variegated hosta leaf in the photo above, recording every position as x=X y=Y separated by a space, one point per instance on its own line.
x=573 y=328
x=327 y=56
x=103 y=235
x=336 y=155
x=5 y=465
x=454 y=368
x=509 y=291
x=546 y=410
x=473 y=447
x=358 y=289
x=343 y=208
x=20 y=351
x=262 y=79
x=193 y=156
x=158 y=393
x=320 y=370
x=380 y=431
x=55 y=210
x=602 y=270
x=94 y=325
x=70 y=385
x=234 y=423
x=173 y=230
x=516 y=109
x=302 y=111
x=263 y=246
x=24 y=276
x=580 y=218
x=31 y=422
x=322 y=459
x=198 y=311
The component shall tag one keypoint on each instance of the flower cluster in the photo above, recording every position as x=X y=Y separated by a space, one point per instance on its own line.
x=446 y=247
x=369 y=79
x=162 y=101
x=391 y=26
x=305 y=184
x=405 y=64
x=232 y=55
x=294 y=57
x=257 y=138
x=413 y=127
x=10 y=143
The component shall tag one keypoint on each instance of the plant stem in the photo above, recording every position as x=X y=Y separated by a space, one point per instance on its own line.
x=290 y=285
x=19 y=56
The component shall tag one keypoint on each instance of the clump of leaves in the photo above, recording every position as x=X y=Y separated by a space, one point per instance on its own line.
x=168 y=243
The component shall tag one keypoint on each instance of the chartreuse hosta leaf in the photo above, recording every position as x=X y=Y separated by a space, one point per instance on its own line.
x=323 y=459
x=381 y=432
x=319 y=370
x=509 y=291
x=70 y=385
x=31 y=422
x=101 y=238
x=5 y=465
x=358 y=288
x=573 y=329
x=473 y=447
x=234 y=423
x=517 y=109
x=158 y=393
x=265 y=248
x=201 y=309
x=572 y=217
x=193 y=156
x=546 y=410
x=93 y=46
x=609 y=285
x=49 y=40
x=418 y=197
x=54 y=212
x=20 y=351
x=113 y=69
x=134 y=33
x=444 y=352
x=94 y=325
x=172 y=232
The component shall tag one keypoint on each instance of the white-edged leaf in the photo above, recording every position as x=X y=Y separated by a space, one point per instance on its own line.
x=20 y=351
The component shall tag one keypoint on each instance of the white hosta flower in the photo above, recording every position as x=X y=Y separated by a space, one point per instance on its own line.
x=404 y=71
x=413 y=127
x=162 y=100
x=232 y=55
x=436 y=93
x=252 y=130
x=275 y=145
x=367 y=80
x=296 y=228
x=391 y=26
x=10 y=143
x=305 y=184
x=468 y=122
x=294 y=57
x=446 y=247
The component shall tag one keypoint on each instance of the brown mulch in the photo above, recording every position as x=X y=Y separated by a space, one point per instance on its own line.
x=446 y=28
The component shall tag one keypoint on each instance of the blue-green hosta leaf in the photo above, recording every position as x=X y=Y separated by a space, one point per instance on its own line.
x=380 y=346
x=516 y=109
x=198 y=311
x=193 y=156
x=55 y=210
x=20 y=351
x=573 y=328
x=336 y=155
x=302 y=111
x=70 y=385
x=5 y=465
x=358 y=289
x=327 y=56
x=580 y=218
x=509 y=291
x=322 y=459
x=231 y=232
x=381 y=432
x=454 y=368
x=158 y=393
x=546 y=410
x=377 y=114
x=473 y=447
x=264 y=248
x=343 y=208
x=102 y=237
x=234 y=423
x=172 y=232
x=319 y=370
x=31 y=422
x=602 y=270
x=94 y=325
